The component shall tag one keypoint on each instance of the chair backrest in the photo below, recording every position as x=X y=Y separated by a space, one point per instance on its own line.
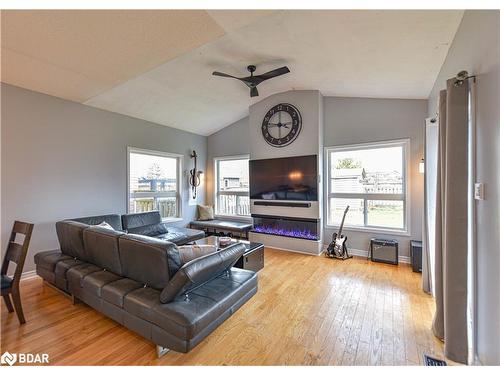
x=16 y=252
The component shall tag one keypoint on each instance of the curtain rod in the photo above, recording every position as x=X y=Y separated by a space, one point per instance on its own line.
x=461 y=77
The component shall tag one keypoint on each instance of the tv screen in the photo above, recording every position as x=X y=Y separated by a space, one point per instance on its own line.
x=293 y=178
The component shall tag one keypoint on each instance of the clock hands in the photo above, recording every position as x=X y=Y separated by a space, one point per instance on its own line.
x=279 y=124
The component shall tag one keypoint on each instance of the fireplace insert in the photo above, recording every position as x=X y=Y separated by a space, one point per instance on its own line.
x=303 y=228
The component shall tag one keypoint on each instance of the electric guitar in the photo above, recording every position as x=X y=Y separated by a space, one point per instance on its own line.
x=337 y=247
x=194 y=175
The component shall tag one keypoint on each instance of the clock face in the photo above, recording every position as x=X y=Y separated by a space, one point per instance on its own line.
x=281 y=125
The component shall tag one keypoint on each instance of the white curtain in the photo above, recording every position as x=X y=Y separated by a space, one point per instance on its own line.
x=430 y=176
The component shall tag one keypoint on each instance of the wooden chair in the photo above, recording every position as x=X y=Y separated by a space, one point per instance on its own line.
x=16 y=253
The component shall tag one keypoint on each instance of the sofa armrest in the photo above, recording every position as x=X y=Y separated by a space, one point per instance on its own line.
x=201 y=270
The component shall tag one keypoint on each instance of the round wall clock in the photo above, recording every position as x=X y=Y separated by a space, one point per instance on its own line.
x=281 y=125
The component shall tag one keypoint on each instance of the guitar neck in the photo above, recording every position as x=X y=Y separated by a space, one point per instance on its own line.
x=342 y=223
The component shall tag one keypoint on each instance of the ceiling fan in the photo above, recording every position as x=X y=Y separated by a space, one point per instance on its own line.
x=252 y=81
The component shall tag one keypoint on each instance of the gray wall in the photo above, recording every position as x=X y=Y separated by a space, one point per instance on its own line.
x=350 y=121
x=230 y=141
x=62 y=159
x=307 y=142
x=476 y=48
x=359 y=120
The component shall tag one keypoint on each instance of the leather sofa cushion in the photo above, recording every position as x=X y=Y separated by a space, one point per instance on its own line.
x=131 y=221
x=76 y=274
x=116 y=291
x=148 y=260
x=49 y=259
x=65 y=265
x=182 y=236
x=114 y=220
x=152 y=230
x=186 y=318
x=94 y=282
x=102 y=247
x=70 y=235
x=46 y=274
x=200 y=270
x=140 y=303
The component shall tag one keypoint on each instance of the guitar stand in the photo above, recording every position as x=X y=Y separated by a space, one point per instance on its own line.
x=345 y=254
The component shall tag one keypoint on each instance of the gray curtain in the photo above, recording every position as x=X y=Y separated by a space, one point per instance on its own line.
x=450 y=320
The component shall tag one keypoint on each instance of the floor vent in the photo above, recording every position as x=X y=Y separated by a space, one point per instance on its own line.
x=429 y=361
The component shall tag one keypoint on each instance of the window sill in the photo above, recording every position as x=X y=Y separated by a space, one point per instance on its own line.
x=235 y=218
x=172 y=220
x=401 y=233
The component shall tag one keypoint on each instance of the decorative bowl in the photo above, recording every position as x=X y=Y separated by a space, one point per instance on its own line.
x=224 y=241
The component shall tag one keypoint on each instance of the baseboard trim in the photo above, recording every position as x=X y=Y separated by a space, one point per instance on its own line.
x=294 y=251
x=476 y=361
x=28 y=275
x=364 y=254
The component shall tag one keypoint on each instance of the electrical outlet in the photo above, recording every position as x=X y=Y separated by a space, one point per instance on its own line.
x=479 y=191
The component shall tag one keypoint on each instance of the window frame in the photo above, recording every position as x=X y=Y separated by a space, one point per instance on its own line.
x=237 y=193
x=177 y=194
x=406 y=198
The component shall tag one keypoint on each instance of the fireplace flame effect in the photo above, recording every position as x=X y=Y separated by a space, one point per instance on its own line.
x=297 y=233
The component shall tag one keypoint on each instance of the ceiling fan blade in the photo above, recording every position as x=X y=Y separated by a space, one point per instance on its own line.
x=273 y=73
x=254 y=92
x=223 y=75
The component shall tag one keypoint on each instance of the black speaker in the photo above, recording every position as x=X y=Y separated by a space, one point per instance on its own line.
x=416 y=255
x=384 y=251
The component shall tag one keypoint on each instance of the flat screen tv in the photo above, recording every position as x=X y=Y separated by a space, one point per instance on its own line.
x=294 y=178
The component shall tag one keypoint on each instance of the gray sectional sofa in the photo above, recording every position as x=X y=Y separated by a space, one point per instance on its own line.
x=141 y=282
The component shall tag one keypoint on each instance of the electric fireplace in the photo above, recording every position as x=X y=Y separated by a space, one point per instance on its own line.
x=303 y=228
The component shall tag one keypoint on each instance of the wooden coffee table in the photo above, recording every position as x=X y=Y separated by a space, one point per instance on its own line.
x=252 y=259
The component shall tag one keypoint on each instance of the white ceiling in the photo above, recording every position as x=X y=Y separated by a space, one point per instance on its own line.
x=79 y=54
x=157 y=65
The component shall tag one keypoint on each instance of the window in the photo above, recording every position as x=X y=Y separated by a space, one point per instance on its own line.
x=153 y=182
x=231 y=186
x=372 y=180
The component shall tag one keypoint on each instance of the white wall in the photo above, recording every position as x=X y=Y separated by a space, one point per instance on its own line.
x=348 y=121
x=62 y=159
x=476 y=48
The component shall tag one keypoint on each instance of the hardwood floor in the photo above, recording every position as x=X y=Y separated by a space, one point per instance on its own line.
x=308 y=311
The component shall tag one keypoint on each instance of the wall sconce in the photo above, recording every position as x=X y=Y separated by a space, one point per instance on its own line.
x=421 y=166
x=194 y=175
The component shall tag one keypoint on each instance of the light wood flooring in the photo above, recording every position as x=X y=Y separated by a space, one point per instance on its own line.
x=308 y=311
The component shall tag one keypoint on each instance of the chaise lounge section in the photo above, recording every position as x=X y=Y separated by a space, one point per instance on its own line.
x=150 y=224
x=142 y=283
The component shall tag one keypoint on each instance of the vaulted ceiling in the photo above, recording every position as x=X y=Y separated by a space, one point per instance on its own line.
x=156 y=65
